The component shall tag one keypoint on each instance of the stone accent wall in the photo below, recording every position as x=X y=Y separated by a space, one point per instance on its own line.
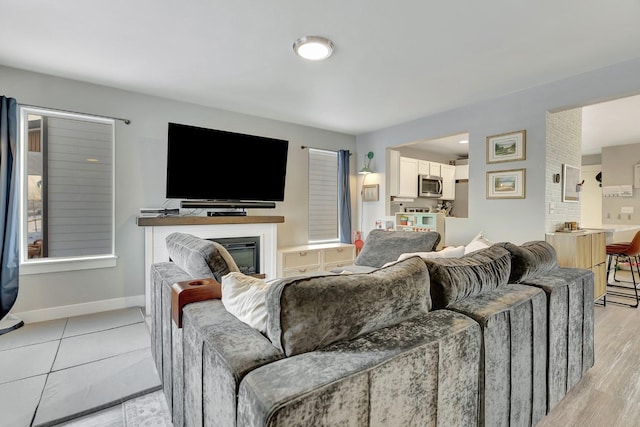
x=564 y=145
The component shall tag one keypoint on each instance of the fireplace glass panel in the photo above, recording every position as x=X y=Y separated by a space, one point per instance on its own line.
x=245 y=251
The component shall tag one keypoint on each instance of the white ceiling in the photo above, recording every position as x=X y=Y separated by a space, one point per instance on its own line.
x=393 y=61
x=610 y=123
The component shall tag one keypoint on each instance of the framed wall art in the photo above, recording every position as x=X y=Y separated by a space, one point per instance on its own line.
x=370 y=193
x=508 y=184
x=570 y=183
x=507 y=147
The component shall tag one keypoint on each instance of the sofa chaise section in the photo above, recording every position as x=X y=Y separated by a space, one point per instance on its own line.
x=513 y=383
x=423 y=371
x=364 y=349
x=513 y=319
x=570 y=295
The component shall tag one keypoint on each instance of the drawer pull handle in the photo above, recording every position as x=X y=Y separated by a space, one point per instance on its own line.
x=303 y=253
x=339 y=249
x=302 y=270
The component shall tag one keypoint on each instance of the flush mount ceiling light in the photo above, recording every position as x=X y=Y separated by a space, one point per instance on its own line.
x=313 y=48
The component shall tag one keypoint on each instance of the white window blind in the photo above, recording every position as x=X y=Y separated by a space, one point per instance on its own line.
x=323 y=195
x=80 y=201
x=67 y=181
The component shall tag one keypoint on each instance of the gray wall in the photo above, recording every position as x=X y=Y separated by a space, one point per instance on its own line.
x=517 y=220
x=617 y=169
x=140 y=176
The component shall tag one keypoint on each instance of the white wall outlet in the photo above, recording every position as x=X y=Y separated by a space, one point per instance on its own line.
x=626 y=209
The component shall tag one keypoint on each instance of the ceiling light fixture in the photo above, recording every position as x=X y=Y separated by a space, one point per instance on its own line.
x=313 y=48
x=464 y=141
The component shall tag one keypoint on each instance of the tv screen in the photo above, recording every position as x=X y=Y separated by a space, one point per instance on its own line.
x=210 y=164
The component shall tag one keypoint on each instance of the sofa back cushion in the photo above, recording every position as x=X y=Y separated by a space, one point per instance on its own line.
x=530 y=260
x=453 y=279
x=200 y=258
x=309 y=313
x=381 y=247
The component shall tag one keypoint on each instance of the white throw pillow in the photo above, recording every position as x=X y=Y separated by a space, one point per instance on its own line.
x=477 y=243
x=448 y=252
x=244 y=297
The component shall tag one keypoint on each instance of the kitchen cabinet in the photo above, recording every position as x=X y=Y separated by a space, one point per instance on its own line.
x=408 y=178
x=403 y=175
x=448 y=174
x=462 y=172
x=426 y=167
x=585 y=249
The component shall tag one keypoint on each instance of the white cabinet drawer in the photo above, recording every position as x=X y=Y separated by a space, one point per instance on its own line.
x=300 y=259
x=297 y=260
x=300 y=271
x=339 y=254
x=337 y=265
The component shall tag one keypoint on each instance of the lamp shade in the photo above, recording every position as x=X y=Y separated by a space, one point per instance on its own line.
x=367 y=163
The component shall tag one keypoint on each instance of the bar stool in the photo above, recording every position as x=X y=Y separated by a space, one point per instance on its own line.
x=630 y=252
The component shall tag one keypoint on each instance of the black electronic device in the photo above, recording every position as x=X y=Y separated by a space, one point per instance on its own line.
x=226 y=213
x=207 y=204
x=224 y=167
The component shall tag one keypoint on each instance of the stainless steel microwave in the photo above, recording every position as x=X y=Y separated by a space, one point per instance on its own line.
x=429 y=186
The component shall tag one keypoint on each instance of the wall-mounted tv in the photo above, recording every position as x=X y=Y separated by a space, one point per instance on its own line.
x=208 y=164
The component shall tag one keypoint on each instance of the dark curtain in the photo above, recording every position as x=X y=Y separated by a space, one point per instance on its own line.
x=9 y=259
x=344 y=197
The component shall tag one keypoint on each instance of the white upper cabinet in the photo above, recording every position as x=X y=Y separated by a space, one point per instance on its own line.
x=448 y=174
x=429 y=168
x=408 y=183
x=462 y=171
x=403 y=175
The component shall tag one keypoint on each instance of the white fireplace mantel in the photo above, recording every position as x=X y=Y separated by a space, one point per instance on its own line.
x=157 y=230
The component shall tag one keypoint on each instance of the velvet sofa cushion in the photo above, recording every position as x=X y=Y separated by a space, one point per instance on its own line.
x=381 y=246
x=200 y=258
x=309 y=313
x=530 y=260
x=454 y=279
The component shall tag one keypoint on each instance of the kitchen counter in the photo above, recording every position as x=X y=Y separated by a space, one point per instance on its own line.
x=618 y=232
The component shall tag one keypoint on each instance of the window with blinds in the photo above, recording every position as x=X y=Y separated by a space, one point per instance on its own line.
x=68 y=185
x=323 y=196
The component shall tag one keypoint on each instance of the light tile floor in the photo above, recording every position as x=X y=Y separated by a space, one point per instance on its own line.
x=51 y=372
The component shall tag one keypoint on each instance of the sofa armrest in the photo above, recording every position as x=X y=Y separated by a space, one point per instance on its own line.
x=219 y=350
x=188 y=291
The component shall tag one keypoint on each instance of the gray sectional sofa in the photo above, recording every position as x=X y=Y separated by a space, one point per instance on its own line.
x=494 y=338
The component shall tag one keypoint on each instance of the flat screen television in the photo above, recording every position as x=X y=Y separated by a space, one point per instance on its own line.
x=217 y=165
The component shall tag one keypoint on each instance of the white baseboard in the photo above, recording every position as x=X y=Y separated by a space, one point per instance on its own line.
x=80 y=309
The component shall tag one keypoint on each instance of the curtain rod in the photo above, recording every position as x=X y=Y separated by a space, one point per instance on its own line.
x=323 y=149
x=126 y=121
